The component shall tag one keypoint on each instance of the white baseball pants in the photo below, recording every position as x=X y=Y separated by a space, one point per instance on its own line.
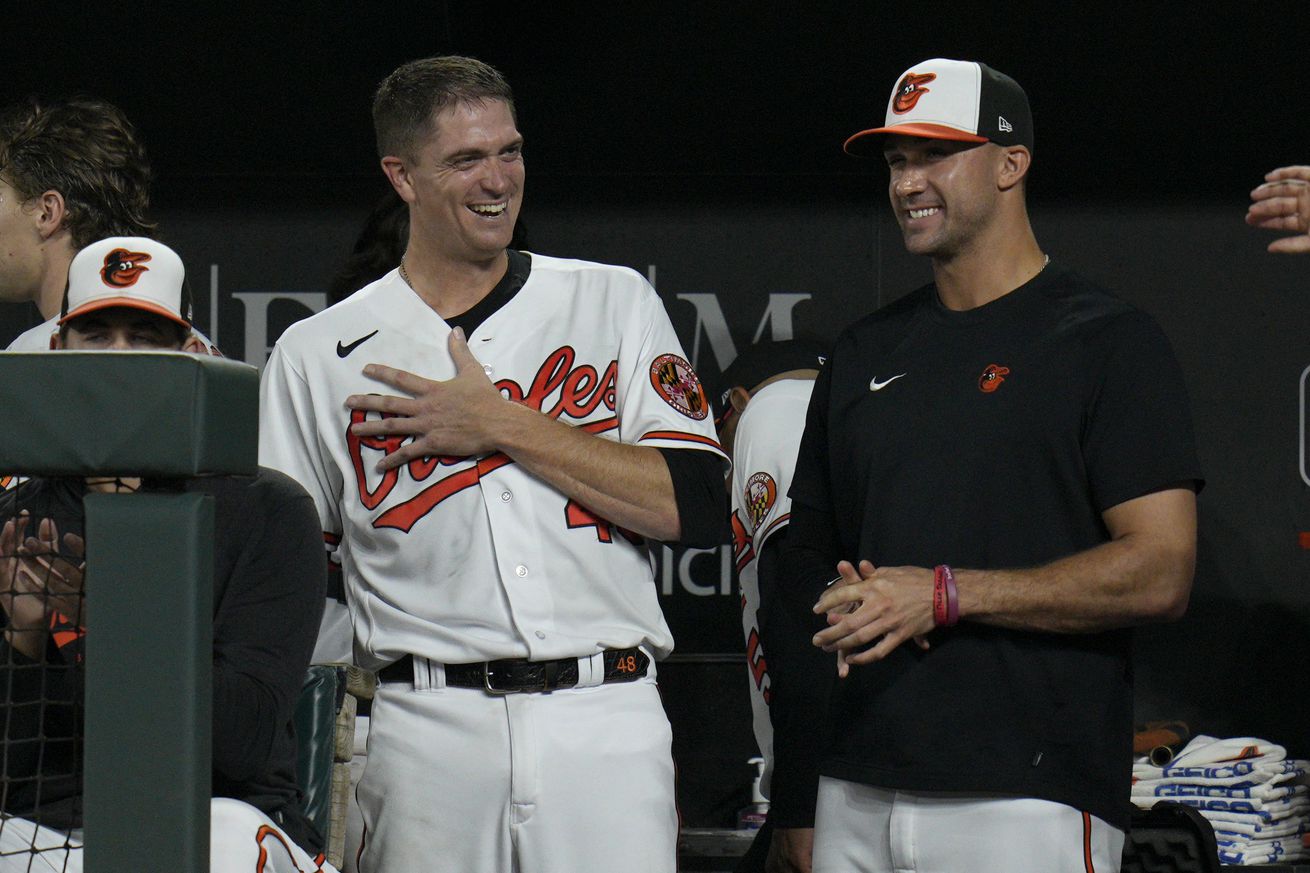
x=458 y=780
x=862 y=829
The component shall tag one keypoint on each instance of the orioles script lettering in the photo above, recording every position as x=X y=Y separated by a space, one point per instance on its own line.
x=560 y=389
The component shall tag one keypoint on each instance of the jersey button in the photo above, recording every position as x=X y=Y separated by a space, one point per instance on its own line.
x=541 y=635
x=520 y=570
x=506 y=496
x=486 y=368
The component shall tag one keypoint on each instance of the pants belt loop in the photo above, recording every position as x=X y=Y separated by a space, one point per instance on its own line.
x=650 y=671
x=591 y=670
x=428 y=675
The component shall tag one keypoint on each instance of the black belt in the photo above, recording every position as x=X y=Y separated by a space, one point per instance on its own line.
x=510 y=675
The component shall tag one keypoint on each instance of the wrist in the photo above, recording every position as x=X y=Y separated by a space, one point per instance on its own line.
x=504 y=424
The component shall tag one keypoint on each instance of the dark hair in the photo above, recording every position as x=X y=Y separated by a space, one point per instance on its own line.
x=88 y=151
x=378 y=250
x=408 y=101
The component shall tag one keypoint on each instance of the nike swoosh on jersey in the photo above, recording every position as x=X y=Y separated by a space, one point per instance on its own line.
x=875 y=385
x=342 y=351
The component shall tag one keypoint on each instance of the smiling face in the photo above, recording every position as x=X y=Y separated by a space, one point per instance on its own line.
x=464 y=184
x=944 y=193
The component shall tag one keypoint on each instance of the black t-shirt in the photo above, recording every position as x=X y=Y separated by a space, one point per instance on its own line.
x=988 y=439
x=268 y=600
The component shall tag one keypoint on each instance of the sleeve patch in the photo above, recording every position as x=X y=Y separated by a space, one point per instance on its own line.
x=674 y=380
x=760 y=494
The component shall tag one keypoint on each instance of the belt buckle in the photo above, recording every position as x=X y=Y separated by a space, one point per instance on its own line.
x=543 y=678
x=486 y=681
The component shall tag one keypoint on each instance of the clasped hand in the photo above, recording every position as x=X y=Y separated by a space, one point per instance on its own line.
x=888 y=605
x=37 y=575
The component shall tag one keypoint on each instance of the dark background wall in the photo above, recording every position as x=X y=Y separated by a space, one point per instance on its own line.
x=701 y=146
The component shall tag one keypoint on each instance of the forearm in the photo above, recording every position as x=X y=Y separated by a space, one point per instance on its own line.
x=629 y=486
x=1142 y=574
x=1128 y=581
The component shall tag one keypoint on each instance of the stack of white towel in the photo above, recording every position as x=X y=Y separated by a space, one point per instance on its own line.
x=1256 y=798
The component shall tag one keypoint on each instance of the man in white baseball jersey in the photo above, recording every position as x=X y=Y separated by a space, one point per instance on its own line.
x=489 y=513
x=71 y=172
x=760 y=413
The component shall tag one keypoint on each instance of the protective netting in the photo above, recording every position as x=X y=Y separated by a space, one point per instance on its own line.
x=44 y=616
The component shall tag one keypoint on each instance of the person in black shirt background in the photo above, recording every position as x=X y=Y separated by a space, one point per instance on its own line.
x=1000 y=470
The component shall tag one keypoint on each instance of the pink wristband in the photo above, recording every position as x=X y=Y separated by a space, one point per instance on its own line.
x=940 y=610
x=952 y=596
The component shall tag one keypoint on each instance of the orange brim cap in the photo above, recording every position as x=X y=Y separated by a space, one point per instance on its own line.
x=866 y=141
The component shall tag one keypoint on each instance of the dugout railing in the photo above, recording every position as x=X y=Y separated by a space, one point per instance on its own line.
x=167 y=417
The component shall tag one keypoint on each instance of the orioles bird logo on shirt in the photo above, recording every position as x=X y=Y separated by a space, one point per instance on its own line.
x=992 y=377
x=761 y=494
x=675 y=381
x=122 y=268
x=910 y=90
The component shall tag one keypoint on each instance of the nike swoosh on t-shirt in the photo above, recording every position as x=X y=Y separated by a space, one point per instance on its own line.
x=342 y=351
x=875 y=385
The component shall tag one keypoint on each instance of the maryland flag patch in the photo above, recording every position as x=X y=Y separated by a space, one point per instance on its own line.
x=761 y=494
x=675 y=381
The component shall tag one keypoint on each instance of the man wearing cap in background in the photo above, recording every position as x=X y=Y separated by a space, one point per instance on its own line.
x=759 y=414
x=128 y=293
x=1000 y=467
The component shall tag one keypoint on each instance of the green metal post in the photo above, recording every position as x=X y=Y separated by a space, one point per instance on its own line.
x=149 y=669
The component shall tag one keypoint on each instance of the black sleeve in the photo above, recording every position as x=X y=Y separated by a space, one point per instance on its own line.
x=801 y=676
x=266 y=621
x=800 y=566
x=813 y=548
x=1129 y=454
x=702 y=498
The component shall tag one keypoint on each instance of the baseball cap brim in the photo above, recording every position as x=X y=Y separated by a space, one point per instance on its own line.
x=121 y=303
x=866 y=142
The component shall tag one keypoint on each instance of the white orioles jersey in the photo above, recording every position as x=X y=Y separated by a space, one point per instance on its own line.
x=764 y=459
x=461 y=559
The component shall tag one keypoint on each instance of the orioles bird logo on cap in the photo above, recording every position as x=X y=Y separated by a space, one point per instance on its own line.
x=122 y=268
x=910 y=90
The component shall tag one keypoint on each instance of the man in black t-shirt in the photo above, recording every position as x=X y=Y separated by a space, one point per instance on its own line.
x=1000 y=469
x=127 y=293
